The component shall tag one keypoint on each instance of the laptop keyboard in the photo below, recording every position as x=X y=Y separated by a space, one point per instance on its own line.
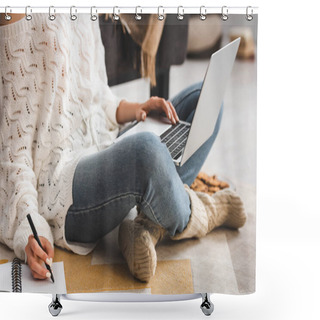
x=175 y=139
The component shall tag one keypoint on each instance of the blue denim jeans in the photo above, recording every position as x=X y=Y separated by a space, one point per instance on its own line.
x=136 y=171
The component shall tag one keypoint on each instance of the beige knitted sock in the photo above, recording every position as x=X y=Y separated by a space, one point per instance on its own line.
x=230 y=211
x=198 y=222
x=137 y=241
x=224 y=208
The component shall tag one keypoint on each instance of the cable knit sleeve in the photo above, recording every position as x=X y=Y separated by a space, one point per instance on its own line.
x=18 y=126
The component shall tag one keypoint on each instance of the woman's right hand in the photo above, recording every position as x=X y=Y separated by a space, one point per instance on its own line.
x=36 y=257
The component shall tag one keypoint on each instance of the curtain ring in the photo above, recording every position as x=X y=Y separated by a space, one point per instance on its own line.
x=6 y=15
x=52 y=16
x=116 y=15
x=93 y=17
x=224 y=13
x=203 y=13
x=73 y=16
x=180 y=13
x=160 y=16
x=249 y=16
x=28 y=15
x=138 y=16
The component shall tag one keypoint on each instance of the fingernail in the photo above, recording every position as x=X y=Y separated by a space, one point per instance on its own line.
x=49 y=261
x=48 y=275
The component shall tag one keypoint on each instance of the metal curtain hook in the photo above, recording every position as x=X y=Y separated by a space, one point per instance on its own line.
x=73 y=17
x=93 y=17
x=249 y=16
x=203 y=13
x=224 y=13
x=160 y=16
x=138 y=16
x=52 y=16
x=28 y=15
x=180 y=13
x=116 y=15
x=6 y=15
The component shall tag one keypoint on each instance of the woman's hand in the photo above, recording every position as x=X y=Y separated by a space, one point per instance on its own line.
x=36 y=257
x=128 y=111
x=157 y=104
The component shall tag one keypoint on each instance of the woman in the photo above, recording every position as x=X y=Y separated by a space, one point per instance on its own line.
x=58 y=162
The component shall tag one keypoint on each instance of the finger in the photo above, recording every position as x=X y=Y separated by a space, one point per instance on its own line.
x=142 y=116
x=28 y=253
x=156 y=103
x=174 y=112
x=49 y=250
x=38 y=269
x=36 y=276
x=166 y=108
x=37 y=251
x=39 y=276
x=47 y=247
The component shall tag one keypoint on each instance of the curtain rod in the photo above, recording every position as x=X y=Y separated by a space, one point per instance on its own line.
x=249 y=10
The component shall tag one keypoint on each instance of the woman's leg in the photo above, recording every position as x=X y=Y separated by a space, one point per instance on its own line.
x=135 y=171
x=138 y=238
x=185 y=104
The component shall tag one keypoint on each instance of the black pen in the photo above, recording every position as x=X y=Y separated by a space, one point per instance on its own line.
x=35 y=234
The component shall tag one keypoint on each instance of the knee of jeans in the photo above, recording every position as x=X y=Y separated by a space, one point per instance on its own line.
x=147 y=141
x=198 y=85
x=195 y=90
x=152 y=156
x=149 y=146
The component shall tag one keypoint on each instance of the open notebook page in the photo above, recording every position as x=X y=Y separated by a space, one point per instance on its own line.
x=29 y=284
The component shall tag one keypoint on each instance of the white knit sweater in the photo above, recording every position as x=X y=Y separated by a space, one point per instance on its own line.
x=55 y=107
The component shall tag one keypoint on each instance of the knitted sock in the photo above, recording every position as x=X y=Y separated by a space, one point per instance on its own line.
x=224 y=208
x=230 y=211
x=137 y=241
x=198 y=222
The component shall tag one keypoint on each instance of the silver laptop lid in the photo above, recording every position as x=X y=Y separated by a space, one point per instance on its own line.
x=211 y=97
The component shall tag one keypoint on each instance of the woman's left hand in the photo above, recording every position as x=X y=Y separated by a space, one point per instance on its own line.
x=157 y=104
x=129 y=111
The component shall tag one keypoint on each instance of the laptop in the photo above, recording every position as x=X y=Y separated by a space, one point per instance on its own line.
x=184 y=139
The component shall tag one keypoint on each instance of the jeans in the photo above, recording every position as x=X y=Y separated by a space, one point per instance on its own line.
x=136 y=171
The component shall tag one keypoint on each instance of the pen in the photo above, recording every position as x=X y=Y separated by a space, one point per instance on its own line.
x=35 y=234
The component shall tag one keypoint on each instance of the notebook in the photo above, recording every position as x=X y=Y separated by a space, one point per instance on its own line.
x=21 y=279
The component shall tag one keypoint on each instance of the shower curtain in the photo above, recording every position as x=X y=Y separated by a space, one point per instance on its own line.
x=63 y=80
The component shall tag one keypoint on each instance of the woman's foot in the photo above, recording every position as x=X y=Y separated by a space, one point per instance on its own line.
x=224 y=208
x=137 y=241
x=230 y=210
